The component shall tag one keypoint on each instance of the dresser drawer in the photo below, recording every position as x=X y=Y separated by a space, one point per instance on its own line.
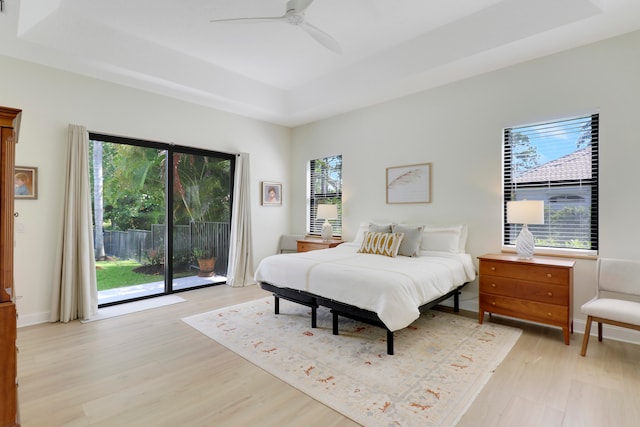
x=529 y=310
x=310 y=246
x=541 y=292
x=533 y=273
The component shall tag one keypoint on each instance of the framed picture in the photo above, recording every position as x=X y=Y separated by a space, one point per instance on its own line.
x=271 y=193
x=409 y=184
x=26 y=182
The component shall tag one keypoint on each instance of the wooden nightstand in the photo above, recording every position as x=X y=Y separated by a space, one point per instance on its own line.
x=538 y=289
x=311 y=244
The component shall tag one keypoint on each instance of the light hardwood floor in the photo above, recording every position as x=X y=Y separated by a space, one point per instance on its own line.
x=151 y=369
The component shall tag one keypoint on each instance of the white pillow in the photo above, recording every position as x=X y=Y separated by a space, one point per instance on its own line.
x=452 y=238
x=362 y=228
x=463 y=239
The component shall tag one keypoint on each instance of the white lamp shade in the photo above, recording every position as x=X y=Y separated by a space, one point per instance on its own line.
x=327 y=212
x=525 y=212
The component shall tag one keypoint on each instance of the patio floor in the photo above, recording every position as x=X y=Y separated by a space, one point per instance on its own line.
x=154 y=288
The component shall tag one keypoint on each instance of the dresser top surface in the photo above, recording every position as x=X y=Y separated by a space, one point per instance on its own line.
x=557 y=262
x=318 y=240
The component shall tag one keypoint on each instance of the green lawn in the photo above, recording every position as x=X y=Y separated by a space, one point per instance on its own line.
x=118 y=274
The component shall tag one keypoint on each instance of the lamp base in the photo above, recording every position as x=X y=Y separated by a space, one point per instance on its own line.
x=327 y=231
x=525 y=243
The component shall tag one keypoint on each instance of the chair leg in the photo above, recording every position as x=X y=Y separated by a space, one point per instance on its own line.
x=600 y=331
x=585 y=340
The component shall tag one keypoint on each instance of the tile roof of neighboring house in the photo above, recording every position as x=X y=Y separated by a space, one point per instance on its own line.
x=576 y=165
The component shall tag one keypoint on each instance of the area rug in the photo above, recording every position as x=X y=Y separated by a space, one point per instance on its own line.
x=135 y=306
x=441 y=361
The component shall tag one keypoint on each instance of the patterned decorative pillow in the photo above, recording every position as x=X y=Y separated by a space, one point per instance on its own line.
x=410 y=245
x=386 y=244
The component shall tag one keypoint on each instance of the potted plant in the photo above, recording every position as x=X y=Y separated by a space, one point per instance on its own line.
x=206 y=261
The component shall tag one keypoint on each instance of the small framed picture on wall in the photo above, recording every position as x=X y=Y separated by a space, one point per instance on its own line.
x=25 y=182
x=271 y=193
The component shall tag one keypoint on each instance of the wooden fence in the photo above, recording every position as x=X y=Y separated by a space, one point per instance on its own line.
x=143 y=244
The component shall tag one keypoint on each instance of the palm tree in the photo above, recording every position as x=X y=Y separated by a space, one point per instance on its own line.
x=98 y=205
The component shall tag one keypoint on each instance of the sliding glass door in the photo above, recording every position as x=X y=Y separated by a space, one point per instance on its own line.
x=162 y=215
x=201 y=213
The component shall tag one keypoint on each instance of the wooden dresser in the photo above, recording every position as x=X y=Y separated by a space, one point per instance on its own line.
x=9 y=124
x=538 y=289
x=311 y=244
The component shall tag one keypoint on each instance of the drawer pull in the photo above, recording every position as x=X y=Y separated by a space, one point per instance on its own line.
x=550 y=294
x=493 y=269
x=493 y=303
x=493 y=285
x=549 y=275
x=549 y=314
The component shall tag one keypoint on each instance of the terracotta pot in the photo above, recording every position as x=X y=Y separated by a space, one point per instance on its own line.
x=206 y=266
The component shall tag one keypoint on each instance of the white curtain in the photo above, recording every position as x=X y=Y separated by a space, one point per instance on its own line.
x=75 y=291
x=240 y=268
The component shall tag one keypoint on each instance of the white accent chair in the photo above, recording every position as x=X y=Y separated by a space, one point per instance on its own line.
x=289 y=243
x=615 y=279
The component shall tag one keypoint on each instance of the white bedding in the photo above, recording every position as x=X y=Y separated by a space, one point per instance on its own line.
x=393 y=288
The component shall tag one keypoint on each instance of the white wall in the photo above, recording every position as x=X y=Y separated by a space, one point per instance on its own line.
x=52 y=99
x=458 y=128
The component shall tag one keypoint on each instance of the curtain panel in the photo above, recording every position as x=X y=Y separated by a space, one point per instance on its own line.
x=240 y=268
x=75 y=290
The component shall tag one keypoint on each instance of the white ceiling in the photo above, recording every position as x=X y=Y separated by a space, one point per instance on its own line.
x=275 y=71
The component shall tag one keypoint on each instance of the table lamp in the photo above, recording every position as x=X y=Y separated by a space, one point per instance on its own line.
x=525 y=212
x=327 y=212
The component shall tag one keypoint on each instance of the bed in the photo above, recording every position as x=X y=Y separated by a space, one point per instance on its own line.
x=386 y=291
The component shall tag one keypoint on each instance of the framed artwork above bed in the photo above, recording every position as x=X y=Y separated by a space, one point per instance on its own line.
x=409 y=184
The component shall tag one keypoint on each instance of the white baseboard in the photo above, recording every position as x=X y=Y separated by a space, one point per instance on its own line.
x=33 y=319
x=608 y=331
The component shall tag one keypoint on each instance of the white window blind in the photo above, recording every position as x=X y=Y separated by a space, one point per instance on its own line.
x=325 y=187
x=556 y=162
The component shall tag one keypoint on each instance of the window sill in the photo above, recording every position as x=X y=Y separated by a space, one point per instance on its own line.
x=558 y=252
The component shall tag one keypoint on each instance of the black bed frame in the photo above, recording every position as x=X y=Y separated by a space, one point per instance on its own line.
x=341 y=309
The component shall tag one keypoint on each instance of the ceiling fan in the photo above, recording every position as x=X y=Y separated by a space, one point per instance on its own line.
x=294 y=15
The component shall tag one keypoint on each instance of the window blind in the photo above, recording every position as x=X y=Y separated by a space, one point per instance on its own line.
x=325 y=187
x=556 y=162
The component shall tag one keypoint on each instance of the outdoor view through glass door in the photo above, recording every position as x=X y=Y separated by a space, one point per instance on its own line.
x=145 y=192
x=201 y=219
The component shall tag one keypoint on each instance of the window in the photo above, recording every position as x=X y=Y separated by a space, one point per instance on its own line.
x=325 y=187
x=556 y=162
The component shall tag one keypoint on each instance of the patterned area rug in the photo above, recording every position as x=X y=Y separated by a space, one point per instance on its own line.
x=441 y=361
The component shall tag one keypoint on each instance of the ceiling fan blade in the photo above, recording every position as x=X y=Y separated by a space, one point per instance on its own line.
x=321 y=37
x=265 y=19
x=298 y=6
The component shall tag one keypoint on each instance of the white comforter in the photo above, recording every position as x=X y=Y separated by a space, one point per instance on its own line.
x=394 y=288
